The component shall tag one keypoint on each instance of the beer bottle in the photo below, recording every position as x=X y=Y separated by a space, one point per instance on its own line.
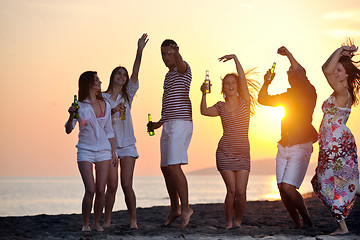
x=272 y=71
x=207 y=82
x=151 y=129
x=122 y=114
x=76 y=105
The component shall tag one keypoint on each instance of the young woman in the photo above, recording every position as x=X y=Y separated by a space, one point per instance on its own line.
x=120 y=94
x=336 y=180
x=95 y=145
x=233 y=152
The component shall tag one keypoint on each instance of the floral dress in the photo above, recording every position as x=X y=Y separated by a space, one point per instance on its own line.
x=336 y=179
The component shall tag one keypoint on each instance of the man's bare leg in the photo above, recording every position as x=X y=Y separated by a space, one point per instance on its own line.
x=175 y=210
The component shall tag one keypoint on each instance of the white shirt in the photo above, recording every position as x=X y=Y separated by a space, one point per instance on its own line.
x=124 y=130
x=94 y=133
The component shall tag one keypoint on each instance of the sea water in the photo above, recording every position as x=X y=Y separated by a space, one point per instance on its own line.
x=21 y=196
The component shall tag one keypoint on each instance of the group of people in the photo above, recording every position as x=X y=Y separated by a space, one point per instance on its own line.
x=105 y=139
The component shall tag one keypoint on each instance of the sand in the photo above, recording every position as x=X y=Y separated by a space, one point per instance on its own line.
x=262 y=220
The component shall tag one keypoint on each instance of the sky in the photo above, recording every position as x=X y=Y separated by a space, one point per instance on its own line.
x=46 y=45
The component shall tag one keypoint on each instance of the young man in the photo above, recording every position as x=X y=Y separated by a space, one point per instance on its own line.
x=297 y=136
x=176 y=120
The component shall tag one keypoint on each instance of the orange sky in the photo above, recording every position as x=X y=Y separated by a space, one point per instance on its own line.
x=46 y=45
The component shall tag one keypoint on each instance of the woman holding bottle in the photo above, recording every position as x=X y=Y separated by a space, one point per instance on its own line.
x=120 y=94
x=95 y=145
x=233 y=152
x=336 y=180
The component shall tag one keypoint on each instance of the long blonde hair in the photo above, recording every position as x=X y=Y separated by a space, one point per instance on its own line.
x=253 y=86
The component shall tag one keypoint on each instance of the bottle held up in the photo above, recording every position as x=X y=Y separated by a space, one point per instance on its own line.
x=272 y=71
x=76 y=105
x=207 y=82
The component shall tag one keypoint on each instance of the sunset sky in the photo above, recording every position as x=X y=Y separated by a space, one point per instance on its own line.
x=46 y=45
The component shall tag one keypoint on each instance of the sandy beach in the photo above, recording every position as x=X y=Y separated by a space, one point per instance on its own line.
x=262 y=220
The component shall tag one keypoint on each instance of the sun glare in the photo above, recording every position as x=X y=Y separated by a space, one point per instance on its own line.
x=279 y=112
x=272 y=186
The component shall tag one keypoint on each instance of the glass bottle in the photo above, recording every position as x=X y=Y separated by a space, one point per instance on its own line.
x=151 y=129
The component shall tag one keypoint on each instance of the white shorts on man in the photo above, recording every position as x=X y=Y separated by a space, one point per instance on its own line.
x=174 y=142
x=292 y=163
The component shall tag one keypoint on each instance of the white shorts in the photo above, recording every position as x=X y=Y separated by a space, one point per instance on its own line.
x=128 y=151
x=174 y=142
x=93 y=156
x=292 y=163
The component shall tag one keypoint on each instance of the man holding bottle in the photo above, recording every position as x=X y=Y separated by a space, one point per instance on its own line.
x=297 y=136
x=176 y=120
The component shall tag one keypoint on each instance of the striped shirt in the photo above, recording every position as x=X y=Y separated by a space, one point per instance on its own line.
x=176 y=102
x=233 y=152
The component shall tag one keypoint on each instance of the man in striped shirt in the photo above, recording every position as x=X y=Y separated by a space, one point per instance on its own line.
x=176 y=120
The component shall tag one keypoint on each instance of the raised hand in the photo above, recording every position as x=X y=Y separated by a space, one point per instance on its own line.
x=227 y=57
x=283 y=51
x=203 y=88
x=142 y=41
x=174 y=48
x=349 y=50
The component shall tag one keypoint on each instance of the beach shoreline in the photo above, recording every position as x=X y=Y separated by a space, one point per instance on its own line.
x=262 y=220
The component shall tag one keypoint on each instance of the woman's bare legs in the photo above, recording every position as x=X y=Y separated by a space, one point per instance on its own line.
x=87 y=176
x=241 y=180
x=127 y=165
x=101 y=173
x=112 y=185
x=229 y=179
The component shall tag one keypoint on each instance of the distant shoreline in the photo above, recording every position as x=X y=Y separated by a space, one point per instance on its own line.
x=261 y=219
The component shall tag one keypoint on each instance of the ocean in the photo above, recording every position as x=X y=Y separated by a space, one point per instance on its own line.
x=22 y=196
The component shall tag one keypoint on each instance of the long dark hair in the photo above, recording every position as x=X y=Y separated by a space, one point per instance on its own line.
x=353 y=72
x=353 y=78
x=111 y=83
x=86 y=81
x=253 y=86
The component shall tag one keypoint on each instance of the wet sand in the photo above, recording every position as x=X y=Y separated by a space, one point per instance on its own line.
x=262 y=220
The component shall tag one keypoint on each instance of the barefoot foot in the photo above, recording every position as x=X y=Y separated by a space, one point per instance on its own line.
x=172 y=216
x=106 y=225
x=228 y=226
x=185 y=217
x=98 y=228
x=340 y=231
x=237 y=224
x=133 y=225
x=86 y=228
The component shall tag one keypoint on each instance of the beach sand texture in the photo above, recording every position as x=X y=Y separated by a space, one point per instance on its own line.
x=262 y=220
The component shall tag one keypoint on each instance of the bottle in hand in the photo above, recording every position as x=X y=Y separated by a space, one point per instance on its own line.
x=207 y=82
x=272 y=71
x=76 y=105
x=150 y=126
x=122 y=113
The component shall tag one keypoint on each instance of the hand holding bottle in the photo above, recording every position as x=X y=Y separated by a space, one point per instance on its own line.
x=268 y=77
x=72 y=110
x=121 y=108
x=203 y=88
